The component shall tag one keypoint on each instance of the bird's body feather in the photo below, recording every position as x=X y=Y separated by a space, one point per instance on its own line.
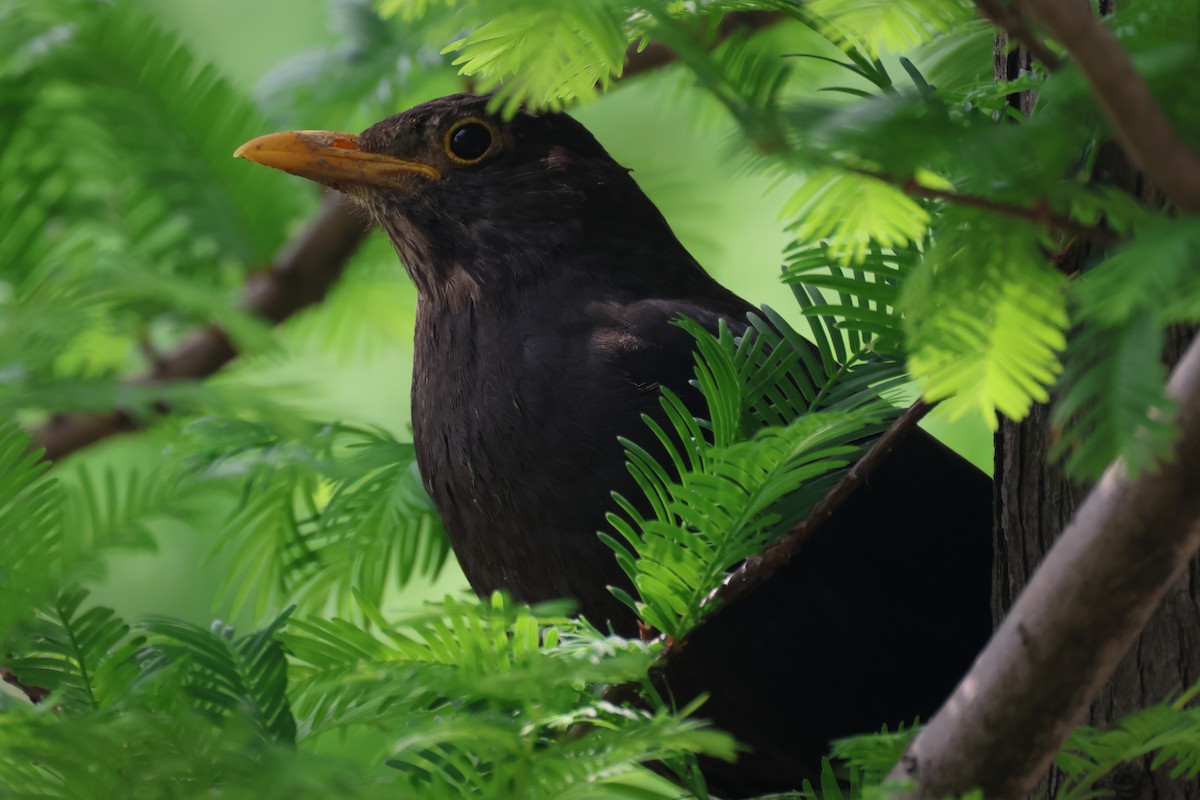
x=548 y=288
x=517 y=434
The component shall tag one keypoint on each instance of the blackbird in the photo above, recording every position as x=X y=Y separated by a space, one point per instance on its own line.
x=547 y=286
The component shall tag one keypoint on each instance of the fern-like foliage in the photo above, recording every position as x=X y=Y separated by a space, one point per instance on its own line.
x=84 y=656
x=784 y=418
x=865 y=320
x=158 y=102
x=1113 y=402
x=226 y=676
x=31 y=518
x=322 y=510
x=124 y=220
x=856 y=213
x=189 y=711
x=985 y=319
x=536 y=53
x=1168 y=732
x=375 y=68
x=723 y=510
x=534 y=726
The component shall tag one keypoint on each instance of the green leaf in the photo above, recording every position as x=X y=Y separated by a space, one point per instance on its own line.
x=545 y=55
x=1153 y=273
x=1171 y=732
x=712 y=518
x=985 y=321
x=244 y=677
x=854 y=212
x=31 y=518
x=85 y=656
x=1113 y=402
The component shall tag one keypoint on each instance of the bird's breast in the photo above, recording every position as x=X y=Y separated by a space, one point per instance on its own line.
x=515 y=422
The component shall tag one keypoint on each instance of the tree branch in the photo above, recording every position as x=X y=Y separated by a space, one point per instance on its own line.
x=34 y=694
x=301 y=276
x=656 y=54
x=1008 y=16
x=1122 y=94
x=1083 y=608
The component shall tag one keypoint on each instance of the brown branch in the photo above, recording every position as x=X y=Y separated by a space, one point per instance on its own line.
x=1084 y=607
x=301 y=276
x=1008 y=16
x=35 y=694
x=1039 y=214
x=1122 y=94
x=656 y=54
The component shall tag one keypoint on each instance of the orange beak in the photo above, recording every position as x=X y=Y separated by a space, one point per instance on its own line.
x=332 y=158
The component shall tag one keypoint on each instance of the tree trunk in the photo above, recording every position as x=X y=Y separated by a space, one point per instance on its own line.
x=1033 y=502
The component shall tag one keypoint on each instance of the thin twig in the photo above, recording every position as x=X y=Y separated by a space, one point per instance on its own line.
x=1040 y=214
x=301 y=276
x=35 y=694
x=656 y=54
x=1008 y=16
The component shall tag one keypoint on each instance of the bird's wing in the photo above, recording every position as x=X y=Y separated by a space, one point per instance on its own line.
x=646 y=347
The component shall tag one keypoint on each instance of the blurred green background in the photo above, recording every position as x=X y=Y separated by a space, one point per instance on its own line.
x=681 y=152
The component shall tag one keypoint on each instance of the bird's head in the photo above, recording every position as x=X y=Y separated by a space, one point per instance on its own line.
x=462 y=192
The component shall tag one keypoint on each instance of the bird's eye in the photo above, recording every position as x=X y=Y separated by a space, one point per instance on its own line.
x=469 y=141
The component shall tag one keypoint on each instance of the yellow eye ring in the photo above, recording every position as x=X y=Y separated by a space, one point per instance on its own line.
x=470 y=140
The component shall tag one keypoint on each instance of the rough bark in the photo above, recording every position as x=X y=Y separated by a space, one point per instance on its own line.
x=1034 y=501
x=1123 y=552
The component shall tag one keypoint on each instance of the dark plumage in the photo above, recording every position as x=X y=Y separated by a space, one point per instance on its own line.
x=547 y=285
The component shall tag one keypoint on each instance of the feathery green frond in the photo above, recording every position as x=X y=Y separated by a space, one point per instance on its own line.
x=177 y=122
x=710 y=519
x=376 y=67
x=323 y=511
x=543 y=55
x=854 y=212
x=31 y=519
x=1169 y=732
x=1113 y=402
x=173 y=753
x=985 y=321
x=784 y=417
x=246 y=676
x=871 y=757
x=866 y=315
x=118 y=509
x=535 y=726
x=86 y=657
x=1154 y=273
x=379 y=528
